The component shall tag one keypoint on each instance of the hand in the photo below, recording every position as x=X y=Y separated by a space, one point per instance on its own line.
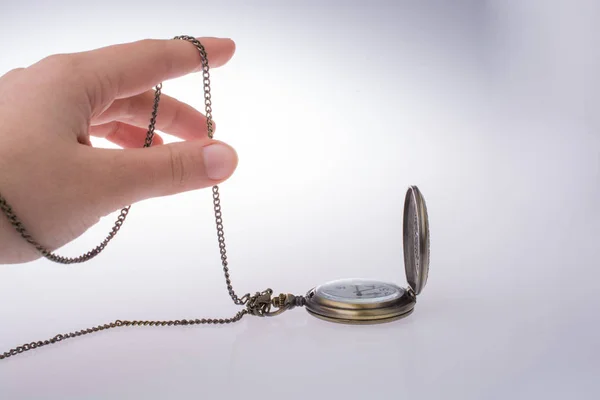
x=57 y=184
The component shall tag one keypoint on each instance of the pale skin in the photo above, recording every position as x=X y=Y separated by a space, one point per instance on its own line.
x=57 y=183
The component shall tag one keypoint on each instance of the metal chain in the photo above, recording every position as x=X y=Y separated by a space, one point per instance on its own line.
x=258 y=304
x=20 y=227
x=117 y=324
x=215 y=189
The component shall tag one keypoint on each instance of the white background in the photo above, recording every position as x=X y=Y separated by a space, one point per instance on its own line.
x=335 y=108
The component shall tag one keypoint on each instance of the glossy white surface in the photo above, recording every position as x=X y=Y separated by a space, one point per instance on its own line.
x=335 y=109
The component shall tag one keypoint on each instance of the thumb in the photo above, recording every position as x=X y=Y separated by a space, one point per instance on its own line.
x=138 y=174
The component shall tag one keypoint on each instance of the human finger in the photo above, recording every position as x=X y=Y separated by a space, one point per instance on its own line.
x=124 y=135
x=174 y=117
x=125 y=70
x=124 y=177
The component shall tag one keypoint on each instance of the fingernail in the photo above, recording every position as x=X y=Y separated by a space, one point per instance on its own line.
x=219 y=161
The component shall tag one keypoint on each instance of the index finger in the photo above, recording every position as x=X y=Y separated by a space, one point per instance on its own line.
x=129 y=69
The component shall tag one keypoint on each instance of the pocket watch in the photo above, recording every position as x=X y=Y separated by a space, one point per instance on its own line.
x=366 y=301
x=348 y=301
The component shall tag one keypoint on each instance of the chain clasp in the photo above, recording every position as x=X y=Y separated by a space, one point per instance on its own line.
x=261 y=303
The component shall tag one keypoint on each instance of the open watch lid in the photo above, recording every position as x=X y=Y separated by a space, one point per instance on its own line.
x=416 y=240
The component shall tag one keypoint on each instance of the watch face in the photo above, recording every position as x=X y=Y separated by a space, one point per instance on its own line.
x=359 y=291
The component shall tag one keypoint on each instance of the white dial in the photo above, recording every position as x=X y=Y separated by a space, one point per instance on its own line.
x=359 y=291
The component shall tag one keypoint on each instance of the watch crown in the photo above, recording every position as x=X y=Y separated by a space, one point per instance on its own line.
x=279 y=301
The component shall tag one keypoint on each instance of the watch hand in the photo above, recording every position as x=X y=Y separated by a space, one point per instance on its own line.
x=358 y=292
